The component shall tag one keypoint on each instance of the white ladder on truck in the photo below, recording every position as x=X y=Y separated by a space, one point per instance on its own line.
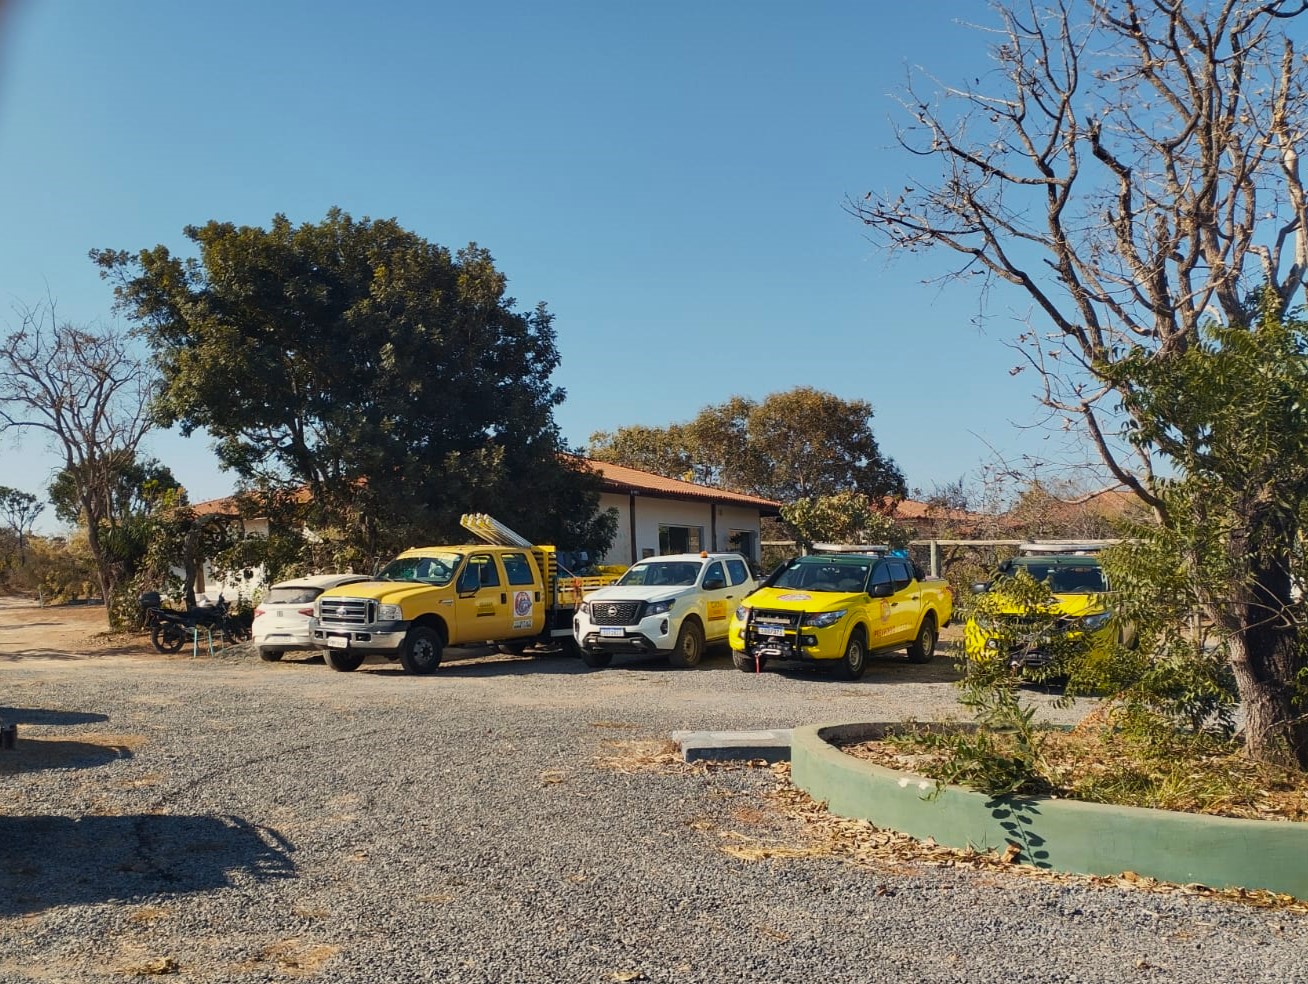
x=492 y=530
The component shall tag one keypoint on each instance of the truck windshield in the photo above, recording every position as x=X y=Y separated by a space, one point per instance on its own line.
x=428 y=569
x=817 y=574
x=671 y=573
x=1065 y=579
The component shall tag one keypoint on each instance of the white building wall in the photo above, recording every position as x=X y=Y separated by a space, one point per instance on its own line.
x=653 y=512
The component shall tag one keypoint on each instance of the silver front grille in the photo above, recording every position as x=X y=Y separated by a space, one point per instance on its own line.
x=615 y=612
x=346 y=611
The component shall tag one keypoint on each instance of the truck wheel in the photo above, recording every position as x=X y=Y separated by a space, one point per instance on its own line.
x=921 y=649
x=421 y=653
x=596 y=659
x=270 y=655
x=690 y=646
x=745 y=662
x=854 y=662
x=512 y=648
x=342 y=660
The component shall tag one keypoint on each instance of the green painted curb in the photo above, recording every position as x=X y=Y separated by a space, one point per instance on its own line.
x=1060 y=835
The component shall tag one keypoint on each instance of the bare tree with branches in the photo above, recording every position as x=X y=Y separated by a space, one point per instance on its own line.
x=89 y=393
x=1132 y=168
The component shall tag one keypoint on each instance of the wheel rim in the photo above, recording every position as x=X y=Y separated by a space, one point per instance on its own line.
x=928 y=640
x=424 y=654
x=690 y=647
x=854 y=656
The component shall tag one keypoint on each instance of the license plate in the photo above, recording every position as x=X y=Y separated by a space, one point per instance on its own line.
x=618 y=633
x=770 y=630
x=338 y=642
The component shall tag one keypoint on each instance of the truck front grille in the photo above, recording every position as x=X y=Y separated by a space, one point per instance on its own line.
x=615 y=612
x=788 y=620
x=346 y=611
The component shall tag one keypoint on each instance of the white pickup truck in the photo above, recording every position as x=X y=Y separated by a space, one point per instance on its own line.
x=676 y=604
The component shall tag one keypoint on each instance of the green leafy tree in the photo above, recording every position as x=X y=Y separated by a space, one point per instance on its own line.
x=800 y=444
x=845 y=517
x=393 y=380
x=1132 y=169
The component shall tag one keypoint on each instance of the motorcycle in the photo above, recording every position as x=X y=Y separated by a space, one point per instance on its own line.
x=171 y=629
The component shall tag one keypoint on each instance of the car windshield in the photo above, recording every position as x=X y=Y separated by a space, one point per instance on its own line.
x=819 y=575
x=426 y=569
x=1068 y=579
x=672 y=573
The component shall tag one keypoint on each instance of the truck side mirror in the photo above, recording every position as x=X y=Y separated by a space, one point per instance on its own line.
x=714 y=583
x=980 y=587
x=883 y=590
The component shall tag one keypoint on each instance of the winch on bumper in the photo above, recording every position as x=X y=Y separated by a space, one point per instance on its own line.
x=356 y=623
x=784 y=635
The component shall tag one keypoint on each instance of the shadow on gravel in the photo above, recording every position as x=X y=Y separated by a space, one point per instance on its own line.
x=42 y=715
x=48 y=861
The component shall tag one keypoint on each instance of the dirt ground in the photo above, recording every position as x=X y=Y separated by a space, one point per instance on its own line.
x=29 y=630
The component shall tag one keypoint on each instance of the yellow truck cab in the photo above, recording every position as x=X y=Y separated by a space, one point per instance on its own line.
x=504 y=591
x=838 y=607
x=1077 y=613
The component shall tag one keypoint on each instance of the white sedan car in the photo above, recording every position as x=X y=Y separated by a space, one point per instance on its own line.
x=281 y=622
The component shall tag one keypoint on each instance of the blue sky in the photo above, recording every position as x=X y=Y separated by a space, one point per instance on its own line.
x=668 y=178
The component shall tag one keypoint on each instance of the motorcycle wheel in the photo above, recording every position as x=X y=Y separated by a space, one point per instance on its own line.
x=168 y=637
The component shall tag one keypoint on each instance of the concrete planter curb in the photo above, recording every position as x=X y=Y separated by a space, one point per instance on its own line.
x=1060 y=835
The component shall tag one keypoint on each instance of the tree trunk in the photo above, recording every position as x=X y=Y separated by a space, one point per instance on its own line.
x=1264 y=650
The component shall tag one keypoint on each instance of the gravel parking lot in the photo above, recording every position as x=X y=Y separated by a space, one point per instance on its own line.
x=221 y=819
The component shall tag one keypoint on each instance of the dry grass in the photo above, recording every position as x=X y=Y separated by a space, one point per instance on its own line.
x=1097 y=765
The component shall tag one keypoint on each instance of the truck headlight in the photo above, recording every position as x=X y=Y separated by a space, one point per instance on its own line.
x=390 y=613
x=583 y=608
x=1092 y=622
x=659 y=607
x=824 y=619
x=742 y=613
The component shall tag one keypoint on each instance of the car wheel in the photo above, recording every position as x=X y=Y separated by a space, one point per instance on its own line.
x=168 y=637
x=422 y=650
x=746 y=663
x=270 y=655
x=854 y=662
x=690 y=646
x=596 y=659
x=512 y=648
x=342 y=660
x=921 y=649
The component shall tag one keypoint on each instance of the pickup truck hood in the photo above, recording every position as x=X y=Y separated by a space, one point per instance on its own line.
x=641 y=592
x=391 y=592
x=797 y=599
x=1074 y=605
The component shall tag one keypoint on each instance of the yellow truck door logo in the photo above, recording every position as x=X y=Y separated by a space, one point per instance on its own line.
x=717 y=611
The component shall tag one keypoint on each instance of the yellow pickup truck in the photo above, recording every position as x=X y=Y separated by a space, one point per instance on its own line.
x=505 y=591
x=839 y=608
x=1074 y=613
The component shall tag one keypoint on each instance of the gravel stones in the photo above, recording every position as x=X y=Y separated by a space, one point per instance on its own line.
x=506 y=819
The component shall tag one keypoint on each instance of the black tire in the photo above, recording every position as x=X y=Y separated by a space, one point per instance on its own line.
x=690 y=646
x=596 y=659
x=422 y=650
x=516 y=648
x=168 y=637
x=270 y=655
x=921 y=649
x=854 y=662
x=342 y=660
x=745 y=663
